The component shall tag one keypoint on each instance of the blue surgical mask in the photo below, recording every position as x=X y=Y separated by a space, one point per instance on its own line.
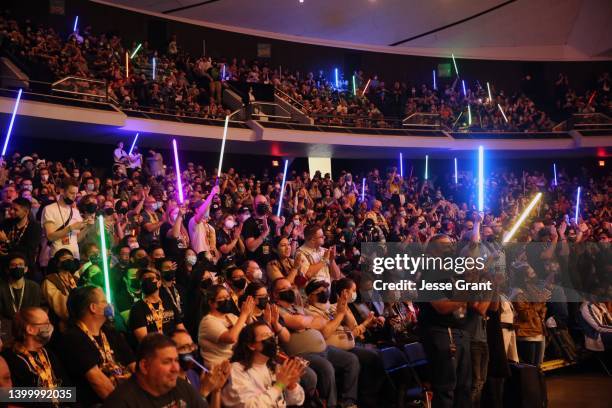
x=109 y=312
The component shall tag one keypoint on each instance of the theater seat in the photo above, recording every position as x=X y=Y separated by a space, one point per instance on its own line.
x=393 y=359
x=415 y=354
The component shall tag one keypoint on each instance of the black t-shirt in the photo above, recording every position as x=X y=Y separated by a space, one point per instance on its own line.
x=81 y=355
x=253 y=228
x=428 y=317
x=141 y=316
x=223 y=238
x=172 y=295
x=23 y=376
x=129 y=394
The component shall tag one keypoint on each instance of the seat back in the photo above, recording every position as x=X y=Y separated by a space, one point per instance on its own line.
x=393 y=359
x=415 y=354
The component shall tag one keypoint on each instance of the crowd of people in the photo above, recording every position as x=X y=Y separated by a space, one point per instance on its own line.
x=218 y=301
x=192 y=86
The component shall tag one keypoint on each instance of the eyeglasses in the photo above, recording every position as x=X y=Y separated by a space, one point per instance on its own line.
x=187 y=348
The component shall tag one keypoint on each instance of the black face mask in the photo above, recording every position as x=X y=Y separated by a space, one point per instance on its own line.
x=262 y=303
x=68 y=201
x=323 y=297
x=95 y=259
x=149 y=286
x=70 y=265
x=122 y=211
x=89 y=208
x=270 y=347
x=142 y=262
x=109 y=211
x=239 y=283
x=262 y=208
x=225 y=306
x=206 y=283
x=168 y=275
x=16 y=272
x=287 y=295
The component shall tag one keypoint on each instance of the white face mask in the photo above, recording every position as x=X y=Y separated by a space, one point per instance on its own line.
x=191 y=259
x=257 y=274
x=133 y=245
x=296 y=222
x=229 y=224
x=353 y=297
x=44 y=177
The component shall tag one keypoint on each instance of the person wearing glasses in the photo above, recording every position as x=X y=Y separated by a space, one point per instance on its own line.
x=257 y=380
x=30 y=362
x=207 y=383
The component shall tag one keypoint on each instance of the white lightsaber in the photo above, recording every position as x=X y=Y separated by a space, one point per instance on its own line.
x=222 y=147
x=502 y=112
x=134 y=143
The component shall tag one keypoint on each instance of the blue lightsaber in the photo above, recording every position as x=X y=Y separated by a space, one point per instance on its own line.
x=463 y=85
x=363 y=189
x=10 y=129
x=435 y=86
x=76 y=24
x=555 y=171
x=480 y=178
x=577 y=205
x=426 y=167
x=336 y=75
x=456 y=176
x=282 y=193
x=194 y=361
x=401 y=165
x=154 y=68
x=133 y=143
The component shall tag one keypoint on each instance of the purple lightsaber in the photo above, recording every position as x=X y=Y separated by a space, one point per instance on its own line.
x=179 y=182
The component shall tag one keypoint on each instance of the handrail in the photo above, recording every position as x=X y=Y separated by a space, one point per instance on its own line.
x=420 y=114
x=27 y=92
x=290 y=98
x=79 y=79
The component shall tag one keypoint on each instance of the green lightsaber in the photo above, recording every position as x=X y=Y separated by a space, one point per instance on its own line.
x=107 y=290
